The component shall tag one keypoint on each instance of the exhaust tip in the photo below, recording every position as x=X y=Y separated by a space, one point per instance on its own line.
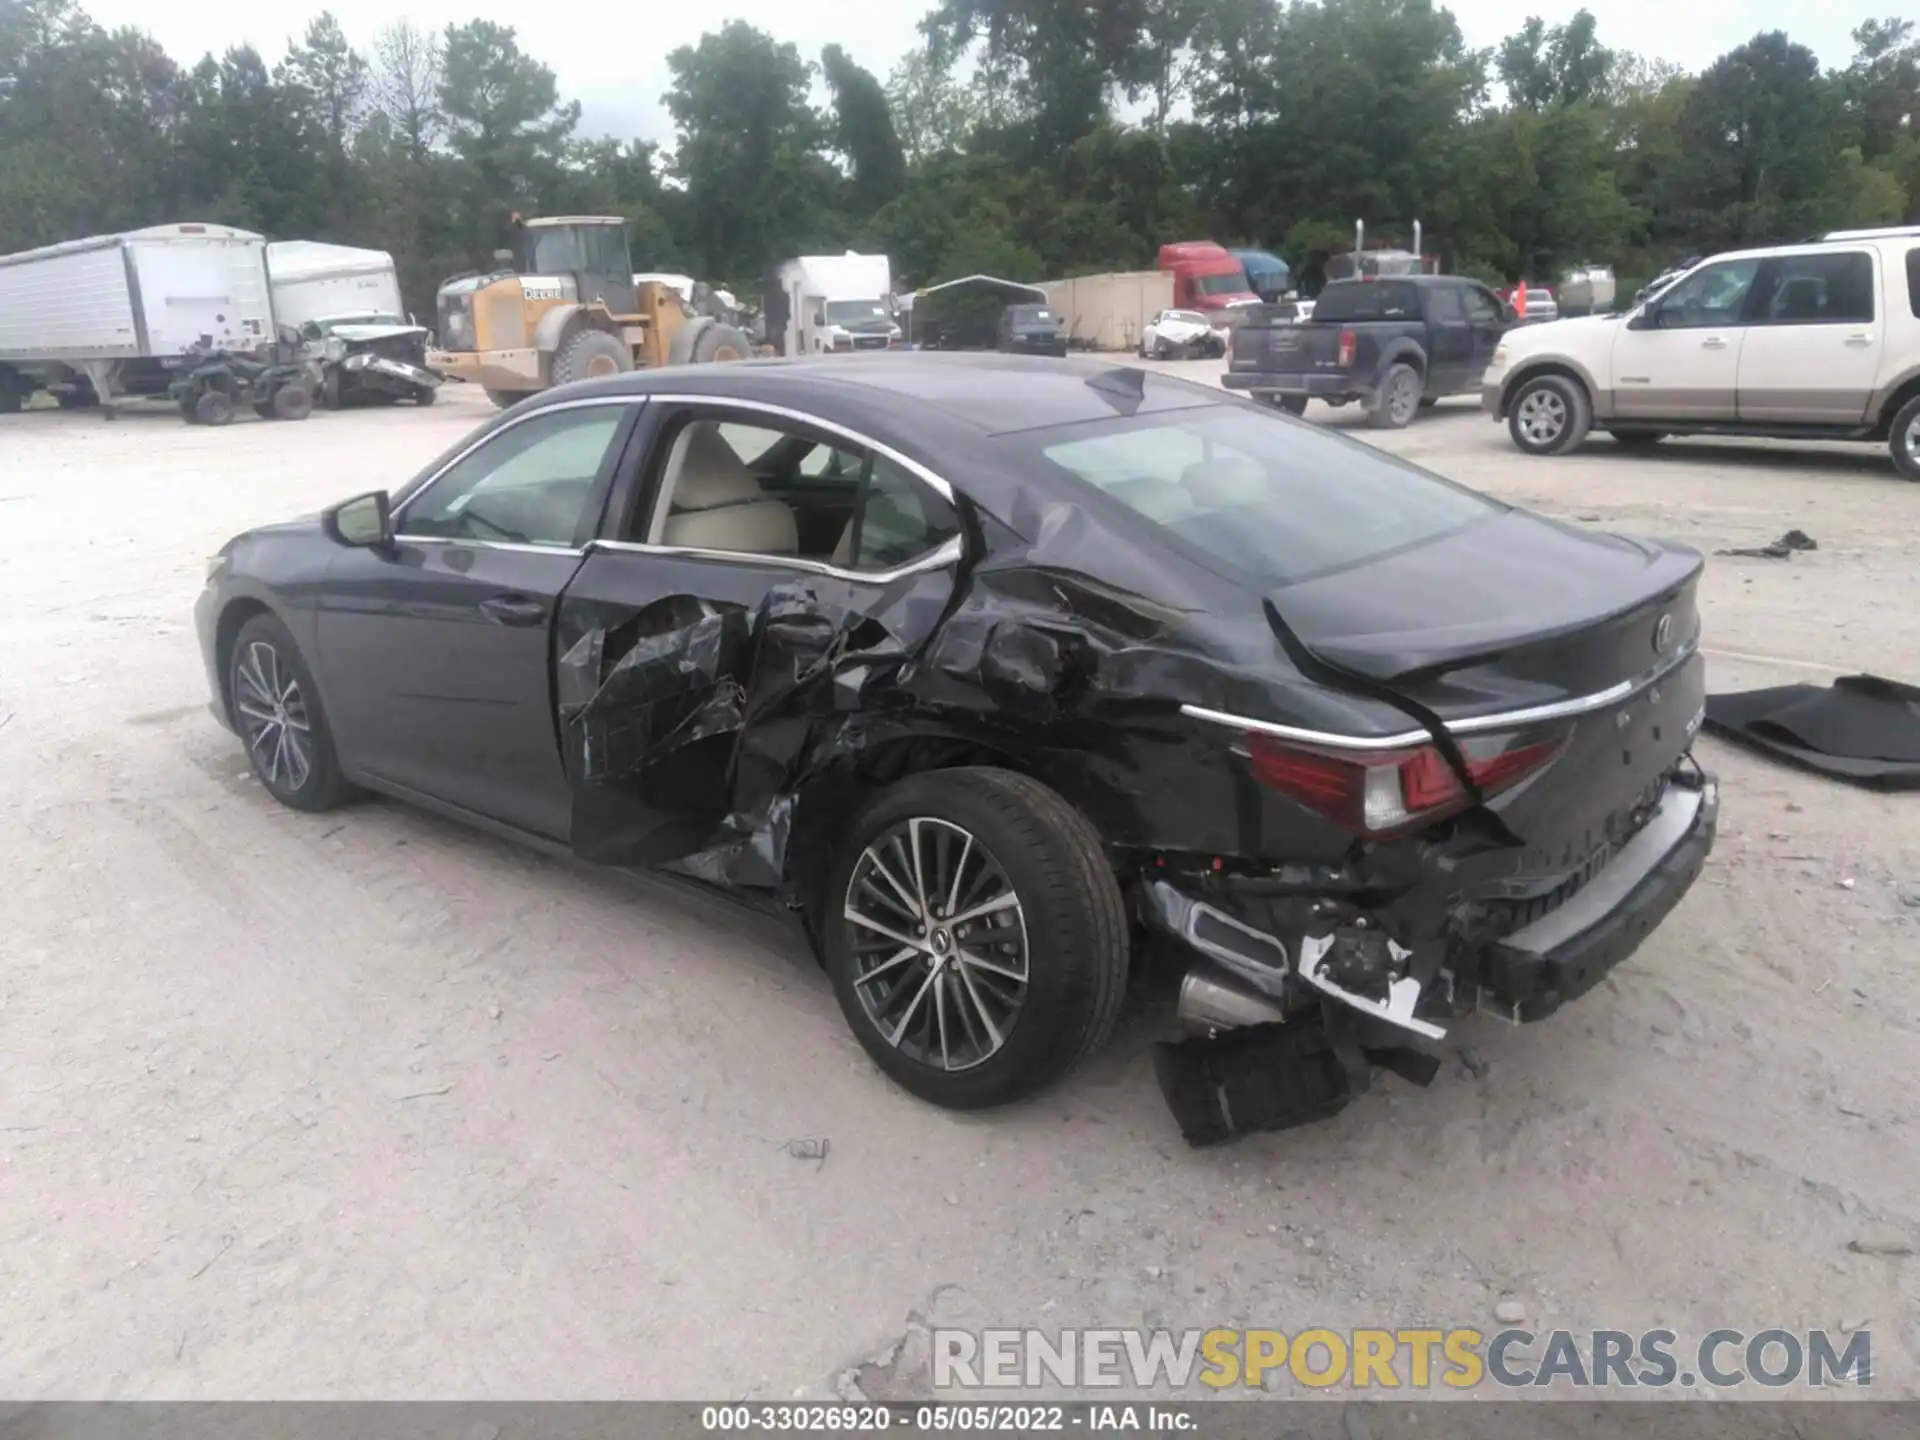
x=1211 y=999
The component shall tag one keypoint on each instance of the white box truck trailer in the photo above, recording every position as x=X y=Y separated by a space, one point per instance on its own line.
x=339 y=310
x=114 y=315
x=314 y=281
x=831 y=304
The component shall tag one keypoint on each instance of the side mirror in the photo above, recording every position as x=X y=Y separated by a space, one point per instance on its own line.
x=820 y=317
x=1647 y=319
x=365 y=522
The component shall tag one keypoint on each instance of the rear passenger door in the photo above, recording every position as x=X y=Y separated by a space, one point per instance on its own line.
x=1488 y=320
x=1814 y=339
x=1449 y=340
x=763 y=573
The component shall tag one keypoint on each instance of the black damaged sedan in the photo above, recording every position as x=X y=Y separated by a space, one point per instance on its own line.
x=986 y=673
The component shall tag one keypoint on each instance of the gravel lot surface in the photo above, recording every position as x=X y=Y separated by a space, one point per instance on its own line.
x=369 y=1105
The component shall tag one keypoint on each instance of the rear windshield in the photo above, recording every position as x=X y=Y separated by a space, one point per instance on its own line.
x=1031 y=314
x=1368 y=300
x=1278 y=500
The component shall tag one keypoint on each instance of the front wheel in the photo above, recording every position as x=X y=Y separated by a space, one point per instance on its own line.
x=292 y=402
x=975 y=936
x=590 y=355
x=276 y=709
x=1904 y=439
x=1549 y=415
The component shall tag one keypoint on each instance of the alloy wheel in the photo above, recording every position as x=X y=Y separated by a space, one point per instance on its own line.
x=273 y=718
x=1912 y=439
x=939 y=943
x=1543 y=417
x=1405 y=399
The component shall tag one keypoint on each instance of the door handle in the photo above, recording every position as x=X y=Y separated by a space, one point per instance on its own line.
x=1859 y=340
x=1713 y=342
x=513 y=610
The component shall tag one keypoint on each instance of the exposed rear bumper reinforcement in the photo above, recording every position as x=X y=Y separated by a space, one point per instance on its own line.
x=1256 y=1066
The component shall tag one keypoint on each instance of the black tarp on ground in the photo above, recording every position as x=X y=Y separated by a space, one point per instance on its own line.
x=1863 y=729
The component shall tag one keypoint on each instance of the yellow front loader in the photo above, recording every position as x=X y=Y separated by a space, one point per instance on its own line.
x=568 y=310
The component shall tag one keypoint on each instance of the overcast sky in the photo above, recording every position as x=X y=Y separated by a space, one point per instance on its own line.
x=604 y=53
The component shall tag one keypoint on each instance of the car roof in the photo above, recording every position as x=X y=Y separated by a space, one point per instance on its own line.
x=909 y=398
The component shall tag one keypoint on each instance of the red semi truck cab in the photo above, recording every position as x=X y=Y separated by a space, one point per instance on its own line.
x=1206 y=278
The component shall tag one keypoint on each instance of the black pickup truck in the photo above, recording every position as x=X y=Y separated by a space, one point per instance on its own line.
x=1395 y=345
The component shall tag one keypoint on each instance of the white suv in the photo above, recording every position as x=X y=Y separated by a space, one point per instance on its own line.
x=1807 y=342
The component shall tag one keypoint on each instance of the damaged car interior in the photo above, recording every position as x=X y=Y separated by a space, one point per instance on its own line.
x=999 y=678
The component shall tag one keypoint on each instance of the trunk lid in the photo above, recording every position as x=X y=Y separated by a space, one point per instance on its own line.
x=1551 y=610
x=1595 y=634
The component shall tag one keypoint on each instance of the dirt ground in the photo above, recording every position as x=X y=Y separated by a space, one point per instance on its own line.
x=368 y=1105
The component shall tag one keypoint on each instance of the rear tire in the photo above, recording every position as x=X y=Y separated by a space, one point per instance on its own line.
x=1549 y=415
x=289 y=745
x=426 y=395
x=214 y=407
x=1293 y=404
x=718 y=344
x=1396 y=399
x=505 y=399
x=590 y=355
x=1904 y=439
x=1045 y=968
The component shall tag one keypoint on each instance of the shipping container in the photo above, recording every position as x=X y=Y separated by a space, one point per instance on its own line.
x=1108 y=312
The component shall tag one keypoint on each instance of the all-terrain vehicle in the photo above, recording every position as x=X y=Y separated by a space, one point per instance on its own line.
x=213 y=389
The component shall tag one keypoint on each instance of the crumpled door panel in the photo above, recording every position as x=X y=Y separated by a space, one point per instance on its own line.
x=689 y=724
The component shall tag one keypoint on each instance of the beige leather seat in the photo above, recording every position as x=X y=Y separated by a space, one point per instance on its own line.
x=716 y=503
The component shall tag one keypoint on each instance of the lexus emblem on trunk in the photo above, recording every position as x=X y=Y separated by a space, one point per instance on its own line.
x=1662 y=632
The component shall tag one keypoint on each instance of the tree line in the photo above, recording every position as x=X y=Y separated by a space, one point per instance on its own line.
x=1026 y=138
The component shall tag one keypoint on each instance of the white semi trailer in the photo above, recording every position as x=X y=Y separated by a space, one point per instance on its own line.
x=115 y=315
x=313 y=281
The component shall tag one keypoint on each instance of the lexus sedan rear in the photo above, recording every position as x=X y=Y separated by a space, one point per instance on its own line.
x=990 y=675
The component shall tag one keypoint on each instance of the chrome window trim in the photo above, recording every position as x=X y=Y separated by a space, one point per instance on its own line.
x=511 y=546
x=494 y=434
x=728 y=402
x=947 y=553
x=1472 y=725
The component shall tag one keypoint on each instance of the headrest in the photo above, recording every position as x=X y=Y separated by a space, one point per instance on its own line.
x=1225 y=481
x=711 y=475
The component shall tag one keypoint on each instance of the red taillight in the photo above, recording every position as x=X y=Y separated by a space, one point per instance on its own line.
x=1349 y=342
x=1387 y=792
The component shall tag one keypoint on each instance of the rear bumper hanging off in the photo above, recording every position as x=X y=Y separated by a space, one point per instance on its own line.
x=1253 y=1070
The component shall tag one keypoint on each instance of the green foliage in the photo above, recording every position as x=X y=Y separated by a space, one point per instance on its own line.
x=997 y=147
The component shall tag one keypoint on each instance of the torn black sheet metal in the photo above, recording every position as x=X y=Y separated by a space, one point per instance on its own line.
x=1275 y=1077
x=1864 y=729
x=689 y=722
